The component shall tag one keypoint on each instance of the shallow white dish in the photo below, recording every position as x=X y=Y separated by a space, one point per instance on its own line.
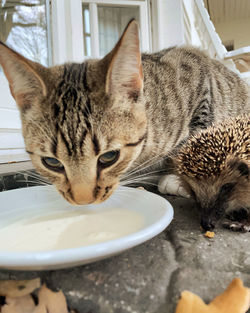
x=32 y=202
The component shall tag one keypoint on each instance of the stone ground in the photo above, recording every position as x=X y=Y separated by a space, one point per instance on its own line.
x=149 y=278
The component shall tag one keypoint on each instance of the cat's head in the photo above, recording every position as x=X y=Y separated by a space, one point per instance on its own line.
x=83 y=124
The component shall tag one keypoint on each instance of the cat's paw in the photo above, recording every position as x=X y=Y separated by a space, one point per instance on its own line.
x=171 y=184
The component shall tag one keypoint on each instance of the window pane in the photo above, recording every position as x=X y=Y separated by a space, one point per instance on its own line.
x=87 y=46
x=23 y=26
x=112 y=22
x=86 y=31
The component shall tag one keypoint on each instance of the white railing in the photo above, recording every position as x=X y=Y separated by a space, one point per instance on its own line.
x=195 y=15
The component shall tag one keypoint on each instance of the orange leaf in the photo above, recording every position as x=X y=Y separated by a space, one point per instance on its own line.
x=235 y=299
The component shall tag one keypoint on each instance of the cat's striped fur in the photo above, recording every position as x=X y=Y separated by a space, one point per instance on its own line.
x=141 y=107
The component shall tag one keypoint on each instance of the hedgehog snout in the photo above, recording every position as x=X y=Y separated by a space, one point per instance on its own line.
x=207 y=223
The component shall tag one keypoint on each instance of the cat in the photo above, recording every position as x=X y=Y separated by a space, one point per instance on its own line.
x=86 y=125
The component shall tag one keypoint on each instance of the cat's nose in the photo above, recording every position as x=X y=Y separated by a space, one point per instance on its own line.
x=82 y=193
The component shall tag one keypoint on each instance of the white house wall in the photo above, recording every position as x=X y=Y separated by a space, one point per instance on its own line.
x=167 y=24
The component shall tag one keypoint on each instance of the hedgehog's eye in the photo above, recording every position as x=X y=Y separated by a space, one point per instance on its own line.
x=243 y=169
x=226 y=189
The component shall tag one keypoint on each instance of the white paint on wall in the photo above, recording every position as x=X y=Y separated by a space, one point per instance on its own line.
x=167 y=24
x=6 y=99
x=191 y=36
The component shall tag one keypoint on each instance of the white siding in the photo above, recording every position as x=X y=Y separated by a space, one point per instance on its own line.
x=12 y=146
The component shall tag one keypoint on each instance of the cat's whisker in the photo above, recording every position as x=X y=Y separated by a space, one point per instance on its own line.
x=169 y=167
x=34 y=175
x=139 y=179
x=36 y=179
x=145 y=174
x=32 y=182
x=29 y=172
x=144 y=166
x=127 y=182
x=143 y=182
x=142 y=173
x=159 y=157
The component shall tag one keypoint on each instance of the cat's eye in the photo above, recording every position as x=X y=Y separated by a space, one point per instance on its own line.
x=53 y=164
x=108 y=158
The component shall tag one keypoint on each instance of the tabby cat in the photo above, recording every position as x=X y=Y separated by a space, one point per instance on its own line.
x=86 y=125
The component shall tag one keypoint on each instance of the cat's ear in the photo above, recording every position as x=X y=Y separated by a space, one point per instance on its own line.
x=23 y=75
x=124 y=75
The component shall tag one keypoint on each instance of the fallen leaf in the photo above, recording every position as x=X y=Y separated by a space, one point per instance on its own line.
x=18 y=298
x=23 y=304
x=235 y=299
x=54 y=302
x=190 y=303
x=18 y=288
x=40 y=309
x=209 y=234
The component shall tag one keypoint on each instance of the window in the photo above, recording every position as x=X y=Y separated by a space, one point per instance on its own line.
x=112 y=21
x=86 y=31
x=24 y=27
x=105 y=20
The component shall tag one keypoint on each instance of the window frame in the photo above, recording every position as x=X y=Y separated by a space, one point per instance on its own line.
x=68 y=46
x=143 y=5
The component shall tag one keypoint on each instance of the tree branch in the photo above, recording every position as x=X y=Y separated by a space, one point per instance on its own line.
x=17 y=3
x=24 y=25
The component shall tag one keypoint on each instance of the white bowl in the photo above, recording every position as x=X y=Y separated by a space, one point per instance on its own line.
x=29 y=203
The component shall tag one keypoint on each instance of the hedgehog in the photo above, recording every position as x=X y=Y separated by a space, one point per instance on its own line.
x=214 y=166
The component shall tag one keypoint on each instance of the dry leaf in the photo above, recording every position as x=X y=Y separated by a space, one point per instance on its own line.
x=54 y=302
x=23 y=304
x=18 y=301
x=18 y=288
x=209 y=234
x=40 y=309
x=235 y=299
